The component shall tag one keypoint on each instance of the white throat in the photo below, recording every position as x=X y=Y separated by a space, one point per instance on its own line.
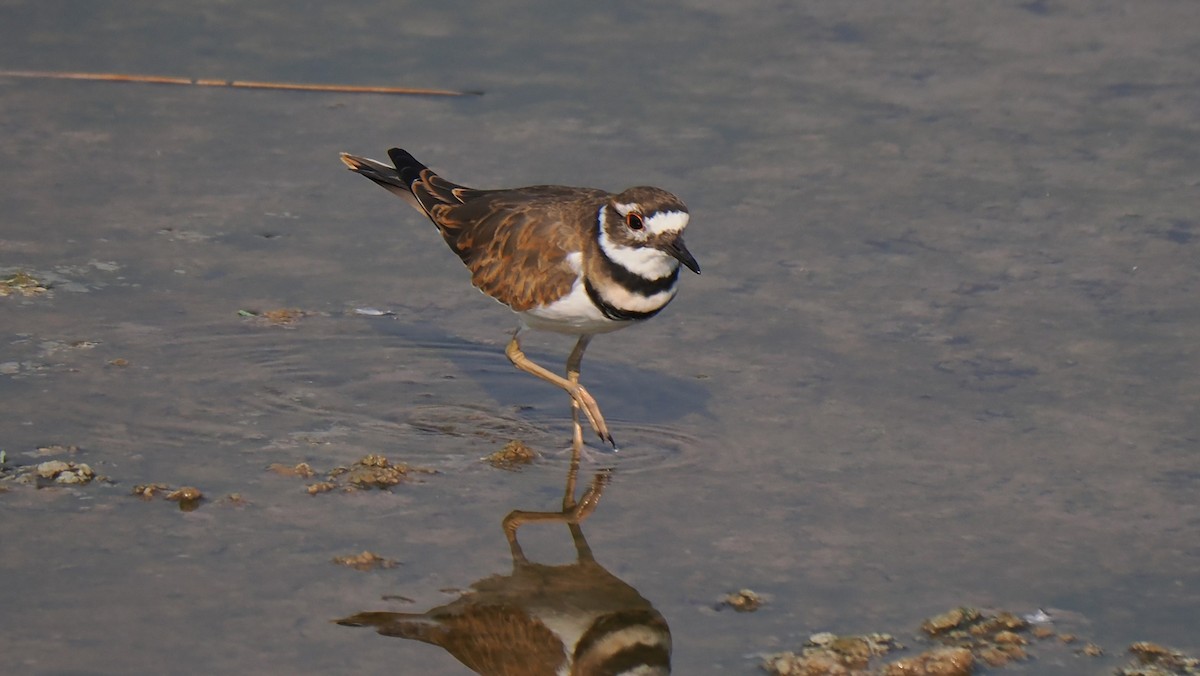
x=643 y=261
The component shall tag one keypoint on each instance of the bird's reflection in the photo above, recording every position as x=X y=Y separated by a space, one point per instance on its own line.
x=540 y=619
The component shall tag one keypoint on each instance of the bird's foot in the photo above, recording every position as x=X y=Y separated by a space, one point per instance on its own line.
x=587 y=403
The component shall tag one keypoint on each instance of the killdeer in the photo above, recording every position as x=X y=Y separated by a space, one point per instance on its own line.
x=576 y=618
x=578 y=261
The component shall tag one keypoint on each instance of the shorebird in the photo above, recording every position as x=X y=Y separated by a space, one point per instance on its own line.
x=578 y=261
x=576 y=618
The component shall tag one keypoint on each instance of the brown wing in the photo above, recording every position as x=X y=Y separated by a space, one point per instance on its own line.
x=516 y=242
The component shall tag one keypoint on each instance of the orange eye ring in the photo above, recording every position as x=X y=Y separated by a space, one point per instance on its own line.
x=634 y=221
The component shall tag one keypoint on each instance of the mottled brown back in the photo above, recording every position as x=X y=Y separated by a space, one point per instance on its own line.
x=514 y=242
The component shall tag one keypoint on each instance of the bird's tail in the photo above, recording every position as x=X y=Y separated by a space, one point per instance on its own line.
x=412 y=181
x=401 y=625
x=386 y=176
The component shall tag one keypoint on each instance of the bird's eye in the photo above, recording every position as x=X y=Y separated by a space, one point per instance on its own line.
x=634 y=221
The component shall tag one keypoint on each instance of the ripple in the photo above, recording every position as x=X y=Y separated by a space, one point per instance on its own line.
x=329 y=390
x=642 y=447
x=646 y=447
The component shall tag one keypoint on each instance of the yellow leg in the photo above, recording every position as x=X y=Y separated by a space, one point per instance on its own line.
x=573 y=377
x=580 y=398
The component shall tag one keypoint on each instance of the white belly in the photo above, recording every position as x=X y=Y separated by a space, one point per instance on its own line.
x=574 y=313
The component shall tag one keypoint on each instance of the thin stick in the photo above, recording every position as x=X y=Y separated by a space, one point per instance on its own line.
x=243 y=84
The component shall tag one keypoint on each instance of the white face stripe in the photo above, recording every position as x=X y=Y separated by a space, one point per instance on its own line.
x=667 y=222
x=657 y=224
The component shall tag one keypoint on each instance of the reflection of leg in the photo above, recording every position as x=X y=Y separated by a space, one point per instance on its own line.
x=576 y=430
x=583 y=551
x=573 y=513
x=591 y=497
x=579 y=394
x=568 y=502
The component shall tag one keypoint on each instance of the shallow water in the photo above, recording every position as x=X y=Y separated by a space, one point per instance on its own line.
x=943 y=351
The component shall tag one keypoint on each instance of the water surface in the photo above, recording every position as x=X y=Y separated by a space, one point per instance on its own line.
x=942 y=352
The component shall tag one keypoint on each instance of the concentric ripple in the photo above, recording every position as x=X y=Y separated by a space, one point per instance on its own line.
x=326 y=390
